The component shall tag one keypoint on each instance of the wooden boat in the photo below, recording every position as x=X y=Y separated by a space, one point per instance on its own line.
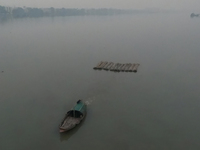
x=73 y=117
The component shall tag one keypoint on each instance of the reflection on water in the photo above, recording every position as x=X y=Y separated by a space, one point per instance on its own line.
x=89 y=101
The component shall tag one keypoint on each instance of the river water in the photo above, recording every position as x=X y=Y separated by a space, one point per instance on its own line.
x=46 y=65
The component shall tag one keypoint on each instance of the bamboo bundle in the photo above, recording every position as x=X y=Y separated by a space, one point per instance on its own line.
x=131 y=68
x=118 y=67
x=98 y=65
x=113 y=67
x=124 y=68
x=110 y=66
x=107 y=65
x=127 y=67
x=121 y=67
x=102 y=65
x=135 y=67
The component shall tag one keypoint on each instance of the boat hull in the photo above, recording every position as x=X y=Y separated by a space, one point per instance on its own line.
x=73 y=117
x=70 y=123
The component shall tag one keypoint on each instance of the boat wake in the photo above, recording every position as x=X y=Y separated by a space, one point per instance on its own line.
x=90 y=100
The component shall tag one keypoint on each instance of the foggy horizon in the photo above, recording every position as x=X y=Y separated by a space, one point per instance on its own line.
x=128 y=4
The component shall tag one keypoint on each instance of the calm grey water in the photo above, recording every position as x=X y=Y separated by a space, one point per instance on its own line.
x=47 y=66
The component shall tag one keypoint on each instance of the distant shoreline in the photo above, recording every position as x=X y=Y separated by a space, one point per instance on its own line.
x=194 y=15
x=22 y=12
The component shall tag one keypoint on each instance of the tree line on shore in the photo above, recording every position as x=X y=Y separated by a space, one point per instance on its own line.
x=21 y=12
x=194 y=15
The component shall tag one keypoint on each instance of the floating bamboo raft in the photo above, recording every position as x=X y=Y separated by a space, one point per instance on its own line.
x=117 y=67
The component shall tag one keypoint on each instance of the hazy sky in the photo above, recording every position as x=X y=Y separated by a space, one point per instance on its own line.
x=137 y=4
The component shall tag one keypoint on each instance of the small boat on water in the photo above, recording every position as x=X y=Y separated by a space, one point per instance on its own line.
x=73 y=117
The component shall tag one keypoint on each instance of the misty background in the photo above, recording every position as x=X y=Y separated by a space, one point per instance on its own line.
x=46 y=65
x=126 y=4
